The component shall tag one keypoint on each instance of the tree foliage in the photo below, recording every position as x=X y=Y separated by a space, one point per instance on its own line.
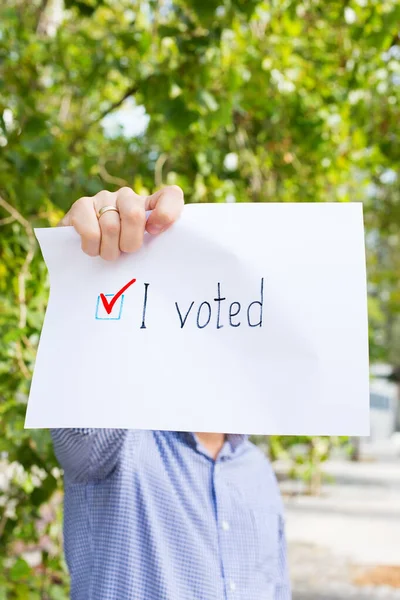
x=242 y=100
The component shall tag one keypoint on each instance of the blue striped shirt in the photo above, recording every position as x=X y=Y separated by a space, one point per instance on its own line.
x=149 y=515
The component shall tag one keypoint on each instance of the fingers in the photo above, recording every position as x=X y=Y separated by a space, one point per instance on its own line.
x=83 y=217
x=113 y=231
x=166 y=206
x=133 y=219
x=110 y=225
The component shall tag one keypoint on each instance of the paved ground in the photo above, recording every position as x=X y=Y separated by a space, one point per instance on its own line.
x=353 y=527
x=318 y=574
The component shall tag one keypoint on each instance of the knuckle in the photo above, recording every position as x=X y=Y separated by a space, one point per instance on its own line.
x=126 y=191
x=84 y=201
x=104 y=194
x=111 y=228
x=79 y=209
x=86 y=229
x=91 y=236
x=135 y=213
x=175 y=189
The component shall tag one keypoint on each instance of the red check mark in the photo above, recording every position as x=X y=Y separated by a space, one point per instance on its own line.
x=110 y=305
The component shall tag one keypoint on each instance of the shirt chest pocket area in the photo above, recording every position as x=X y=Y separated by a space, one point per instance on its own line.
x=266 y=529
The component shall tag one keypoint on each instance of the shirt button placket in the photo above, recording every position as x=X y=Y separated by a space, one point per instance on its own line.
x=225 y=526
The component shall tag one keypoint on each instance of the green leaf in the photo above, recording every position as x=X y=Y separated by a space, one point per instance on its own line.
x=19 y=570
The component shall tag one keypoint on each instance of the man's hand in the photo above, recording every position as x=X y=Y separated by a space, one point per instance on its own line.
x=114 y=233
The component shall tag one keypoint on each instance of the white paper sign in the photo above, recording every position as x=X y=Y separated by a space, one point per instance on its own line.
x=247 y=318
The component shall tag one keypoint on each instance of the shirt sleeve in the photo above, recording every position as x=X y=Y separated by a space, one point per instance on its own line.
x=283 y=588
x=88 y=454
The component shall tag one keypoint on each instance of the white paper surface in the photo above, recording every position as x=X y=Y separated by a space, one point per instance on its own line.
x=304 y=370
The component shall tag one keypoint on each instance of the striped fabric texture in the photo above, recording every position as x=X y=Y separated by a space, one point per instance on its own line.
x=149 y=515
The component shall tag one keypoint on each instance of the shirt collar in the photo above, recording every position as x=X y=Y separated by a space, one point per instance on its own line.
x=236 y=439
x=232 y=443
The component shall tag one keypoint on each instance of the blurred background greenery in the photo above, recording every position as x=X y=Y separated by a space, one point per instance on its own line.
x=233 y=100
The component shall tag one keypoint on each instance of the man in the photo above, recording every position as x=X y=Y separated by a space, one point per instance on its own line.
x=164 y=515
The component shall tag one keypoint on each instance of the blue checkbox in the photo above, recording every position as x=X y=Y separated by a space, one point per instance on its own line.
x=115 y=315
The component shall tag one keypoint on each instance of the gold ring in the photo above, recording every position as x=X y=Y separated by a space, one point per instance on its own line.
x=106 y=209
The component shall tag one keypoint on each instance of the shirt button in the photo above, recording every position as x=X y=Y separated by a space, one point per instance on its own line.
x=225 y=525
x=232 y=586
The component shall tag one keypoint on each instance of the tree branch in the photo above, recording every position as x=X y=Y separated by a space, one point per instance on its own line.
x=129 y=92
x=7 y=220
x=3 y=522
x=39 y=16
x=22 y=277
x=160 y=162
x=15 y=214
x=108 y=178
